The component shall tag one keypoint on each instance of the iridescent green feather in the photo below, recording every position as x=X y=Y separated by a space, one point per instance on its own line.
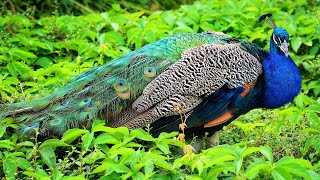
x=91 y=94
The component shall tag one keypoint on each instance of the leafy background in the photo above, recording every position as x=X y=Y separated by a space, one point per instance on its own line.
x=43 y=44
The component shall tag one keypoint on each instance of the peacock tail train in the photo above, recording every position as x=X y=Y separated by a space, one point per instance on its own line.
x=104 y=91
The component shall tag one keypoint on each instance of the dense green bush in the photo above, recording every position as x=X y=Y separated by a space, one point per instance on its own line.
x=39 y=55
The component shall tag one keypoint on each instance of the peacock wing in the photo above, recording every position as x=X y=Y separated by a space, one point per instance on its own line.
x=200 y=72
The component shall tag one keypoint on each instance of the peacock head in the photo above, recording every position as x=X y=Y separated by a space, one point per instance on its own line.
x=280 y=36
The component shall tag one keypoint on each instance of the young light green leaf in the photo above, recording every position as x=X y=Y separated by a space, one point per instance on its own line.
x=72 y=134
x=267 y=152
x=87 y=140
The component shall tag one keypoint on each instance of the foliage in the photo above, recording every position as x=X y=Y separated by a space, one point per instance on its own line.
x=39 y=55
x=116 y=153
x=80 y=7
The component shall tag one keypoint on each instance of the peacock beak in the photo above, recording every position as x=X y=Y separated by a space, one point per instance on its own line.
x=284 y=47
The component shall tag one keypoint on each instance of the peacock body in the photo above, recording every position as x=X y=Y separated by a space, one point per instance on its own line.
x=210 y=77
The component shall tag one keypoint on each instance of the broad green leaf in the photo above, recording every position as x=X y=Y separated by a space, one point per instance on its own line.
x=249 y=151
x=2 y=130
x=163 y=164
x=163 y=146
x=18 y=68
x=123 y=151
x=23 y=163
x=44 y=62
x=105 y=164
x=48 y=156
x=280 y=174
x=141 y=134
x=53 y=143
x=255 y=168
x=36 y=175
x=24 y=55
x=106 y=139
x=56 y=175
x=120 y=168
x=87 y=140
x=295 y=169
x=296 y=43
x=219 y=159
x=6 y=144
x=121 y=130
x=313 y=174
x=94 y=156
x=26 y=143
x=72 y=134
x=267 y=152
x=148 y=168
x=290 y=160
x=10 y=168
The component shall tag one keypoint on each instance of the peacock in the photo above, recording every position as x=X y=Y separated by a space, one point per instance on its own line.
x=210 y=78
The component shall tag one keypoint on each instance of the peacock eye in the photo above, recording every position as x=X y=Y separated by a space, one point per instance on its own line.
x=121 y=85
x=86 y=100
x=150 y=72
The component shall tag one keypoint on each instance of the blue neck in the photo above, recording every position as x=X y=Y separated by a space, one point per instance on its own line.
x=282 y=78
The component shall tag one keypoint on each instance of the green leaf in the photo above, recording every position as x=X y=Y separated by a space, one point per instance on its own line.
x=148 y=168
x=36 y=175
x=105 y=165
x=120 y=168
x=289 y=160
x=249 y=151
x=48 y=156
x=219 y=159
x=18 y=68
x=2 y=130
x=94 y=156
x=6 y=144
x=121 y=130
x=280 y=174
x=296 y=43
x=26 y=143
x=267 y=152
x=163 y=164
x=10 y=168
x=313 y=174
x=23 y=163
x=87 y=140
x=79 y=177
x=123 y=151
x=24 y=55
x=141 y=134
x=56 y=175
x=163 y=146
x=53 y=143
x=254 y=169
x=44 y=62
x=106 y=139
x=72 y=134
